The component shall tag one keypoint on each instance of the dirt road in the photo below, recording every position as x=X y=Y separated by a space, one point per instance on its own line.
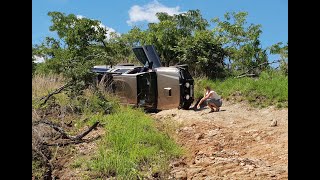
x=239 y=142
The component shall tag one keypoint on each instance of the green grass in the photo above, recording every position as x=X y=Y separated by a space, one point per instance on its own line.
x=37 y=169
x=271 y=88
x=133 y=146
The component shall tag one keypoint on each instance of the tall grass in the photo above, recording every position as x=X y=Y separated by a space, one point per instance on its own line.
x=132 y=146
x=44 y=84
x=271 y=88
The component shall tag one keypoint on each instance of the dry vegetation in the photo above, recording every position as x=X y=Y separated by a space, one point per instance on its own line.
x=53 y=127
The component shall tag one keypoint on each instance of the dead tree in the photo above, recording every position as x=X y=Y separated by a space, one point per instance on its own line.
x=255 y=67
x=44 y=135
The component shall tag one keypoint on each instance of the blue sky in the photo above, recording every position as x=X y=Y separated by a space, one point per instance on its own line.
x=120 y=15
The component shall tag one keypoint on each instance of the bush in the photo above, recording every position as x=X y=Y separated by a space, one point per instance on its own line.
x=271 y=88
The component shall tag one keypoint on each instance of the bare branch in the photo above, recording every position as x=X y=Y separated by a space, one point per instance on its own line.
x=65 y=143
x=80 y=136
x=63 y=133
x=57 y=91
x=246 y=73
x=56 y=127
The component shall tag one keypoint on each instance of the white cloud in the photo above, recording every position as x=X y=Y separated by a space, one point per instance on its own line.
x=110 y=30
x=38 y=59
x=148 y=12
x=80 y=16
x=103 y=26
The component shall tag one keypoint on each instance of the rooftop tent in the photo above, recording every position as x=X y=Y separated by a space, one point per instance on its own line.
x=147 y=55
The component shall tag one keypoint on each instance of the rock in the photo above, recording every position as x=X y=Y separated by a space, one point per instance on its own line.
x=187 y=129
x=258 y=138
x=200 y=153
x=180 y=175
x=197 y=161
x=199 y=136
x=250 y=167
x=274 y=123
x=194 y=170
x=177 y=164
x=255 y=135
x=204 y=162
x=173 y=114
x=212 y=133
x=242 y=164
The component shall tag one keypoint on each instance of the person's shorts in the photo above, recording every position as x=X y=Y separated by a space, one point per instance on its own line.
x=217 y=102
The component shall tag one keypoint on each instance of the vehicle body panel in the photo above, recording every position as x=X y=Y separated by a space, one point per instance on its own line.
x=168 y=87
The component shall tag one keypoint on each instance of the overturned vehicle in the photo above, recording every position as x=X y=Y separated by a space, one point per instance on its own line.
x=150 y=86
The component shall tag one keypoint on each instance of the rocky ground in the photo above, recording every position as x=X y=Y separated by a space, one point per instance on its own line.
x=239 y=142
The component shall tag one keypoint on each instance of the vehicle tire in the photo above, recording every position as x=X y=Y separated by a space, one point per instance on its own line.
x=186 y=106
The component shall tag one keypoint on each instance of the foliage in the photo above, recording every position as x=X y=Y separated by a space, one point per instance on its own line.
x=80 y=45
x=203 y=55
x=182 y=39
x=271 y=88
x=34 y=64
x=281 y=50
x=170 y=30
x=240 y=41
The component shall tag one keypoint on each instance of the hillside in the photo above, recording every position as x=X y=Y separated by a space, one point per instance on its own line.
x=238 y=142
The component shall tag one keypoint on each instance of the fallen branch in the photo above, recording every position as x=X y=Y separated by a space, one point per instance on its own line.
x=41 y=143
x=63 y=133
x=59 y=144
x=240 y=76
x=55 y=127
x=80 y=136
x=246 y=73
x=57 y=91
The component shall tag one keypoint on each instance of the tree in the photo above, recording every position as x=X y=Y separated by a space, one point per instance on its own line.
x=281 y=50
x=203 y=54
x=33 y=62
x=241 y=42
x=167 y=33
x=81 y=43
x=182 y=39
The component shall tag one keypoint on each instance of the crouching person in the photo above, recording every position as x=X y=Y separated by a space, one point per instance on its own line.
x=212 y=99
